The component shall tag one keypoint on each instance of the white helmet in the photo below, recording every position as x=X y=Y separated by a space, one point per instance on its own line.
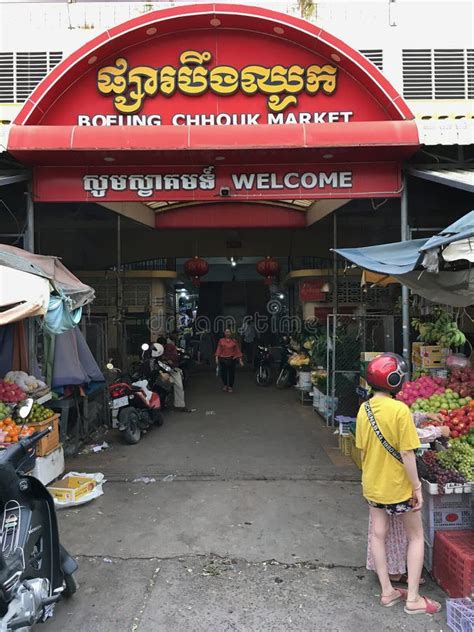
x=157 y=350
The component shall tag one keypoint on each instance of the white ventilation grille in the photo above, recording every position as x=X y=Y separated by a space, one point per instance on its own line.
x=470 y=74
x=437 y=74
x=20 y=73
x=417 y=74
x=7 y=86
x=450 y=74
x=375 y=56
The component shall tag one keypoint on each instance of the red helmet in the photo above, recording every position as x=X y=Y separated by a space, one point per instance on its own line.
x=386 y=372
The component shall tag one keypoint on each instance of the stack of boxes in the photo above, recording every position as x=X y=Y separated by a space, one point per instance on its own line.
x=428 y=357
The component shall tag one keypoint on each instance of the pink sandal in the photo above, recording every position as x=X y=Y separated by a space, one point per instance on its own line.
x=431 y=607
x=399 y=595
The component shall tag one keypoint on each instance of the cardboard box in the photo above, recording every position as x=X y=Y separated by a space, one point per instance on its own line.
x=71 y=488
x=49 y=468
x=428 y=356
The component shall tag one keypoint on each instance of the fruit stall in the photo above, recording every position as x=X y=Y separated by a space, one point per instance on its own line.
x=35 y=290
x=440 y=396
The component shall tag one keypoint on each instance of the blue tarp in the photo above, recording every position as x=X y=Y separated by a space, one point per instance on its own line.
x=462 y=229
x=398 y=258
x=405 y=256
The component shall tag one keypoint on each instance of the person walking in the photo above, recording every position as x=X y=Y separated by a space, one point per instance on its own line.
x=386 y=434
x=228 y=353
x=249 y=334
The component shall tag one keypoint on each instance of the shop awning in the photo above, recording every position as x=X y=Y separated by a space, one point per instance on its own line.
x=49 y=268
x=134 y=145
x=457 y=178
x=22 y=295
x=415 y=263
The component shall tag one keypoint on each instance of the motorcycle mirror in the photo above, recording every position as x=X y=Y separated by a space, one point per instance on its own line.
x=25 y=409
x=110 y=366
x=145 y=346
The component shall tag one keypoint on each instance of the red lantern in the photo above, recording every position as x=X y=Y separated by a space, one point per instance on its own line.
x=196 y=268
x=269 y=268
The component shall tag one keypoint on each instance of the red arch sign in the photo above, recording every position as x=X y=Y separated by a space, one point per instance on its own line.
x=182 y=104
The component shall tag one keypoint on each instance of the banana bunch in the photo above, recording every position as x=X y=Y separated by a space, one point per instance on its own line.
x=452 y=337
x=442 y=330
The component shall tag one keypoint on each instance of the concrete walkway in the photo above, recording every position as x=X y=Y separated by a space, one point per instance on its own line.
x=258 y=527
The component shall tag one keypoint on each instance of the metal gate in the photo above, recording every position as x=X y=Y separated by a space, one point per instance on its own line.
x=348 y=336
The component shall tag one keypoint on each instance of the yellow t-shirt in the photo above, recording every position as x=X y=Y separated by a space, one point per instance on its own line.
x=384 y=479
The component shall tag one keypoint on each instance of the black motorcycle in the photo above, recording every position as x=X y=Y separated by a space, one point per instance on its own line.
x=35 y=570
x=263 y=364
x=287 y=374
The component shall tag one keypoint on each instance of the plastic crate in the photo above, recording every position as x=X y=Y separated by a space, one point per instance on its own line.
x=345 y=444
x=428 y=557
x=450 y=488
x=356 y=454
x=453 y=562
x=51 y=441
x=460 y=613
x=446 y=512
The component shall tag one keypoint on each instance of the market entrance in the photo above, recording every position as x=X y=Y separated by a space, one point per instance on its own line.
x=256 y=122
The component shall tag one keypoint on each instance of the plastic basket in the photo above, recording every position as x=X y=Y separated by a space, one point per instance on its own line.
x=51 y=441
x=453 y=562
x=460 y=614
x=446 y=512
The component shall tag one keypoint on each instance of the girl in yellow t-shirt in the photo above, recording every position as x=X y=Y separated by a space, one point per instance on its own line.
x=387 y=436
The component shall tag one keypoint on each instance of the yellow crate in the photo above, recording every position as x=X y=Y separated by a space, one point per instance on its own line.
x=356 y=454
x=345 y=444
x=71 y=488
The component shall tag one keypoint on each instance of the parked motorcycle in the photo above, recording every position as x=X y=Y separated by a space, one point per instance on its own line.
x=287 y=374
x=133 y=405
x=263 y=361
x=35 y=569
x=158 y=372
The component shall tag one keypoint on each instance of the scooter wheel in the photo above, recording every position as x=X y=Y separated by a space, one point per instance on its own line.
x=283 y=380
x=263 y=376
x=71 y=585
x=132 y=432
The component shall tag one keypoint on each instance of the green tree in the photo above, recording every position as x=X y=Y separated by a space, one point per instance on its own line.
x=307 y=8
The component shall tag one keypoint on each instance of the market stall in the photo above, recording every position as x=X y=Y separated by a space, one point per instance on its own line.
x=440 y=392
x=39 y=291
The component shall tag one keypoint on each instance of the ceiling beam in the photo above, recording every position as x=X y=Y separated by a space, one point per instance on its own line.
x=135 y=211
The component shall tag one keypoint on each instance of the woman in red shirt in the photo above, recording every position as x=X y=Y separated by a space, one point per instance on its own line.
x=227 y=354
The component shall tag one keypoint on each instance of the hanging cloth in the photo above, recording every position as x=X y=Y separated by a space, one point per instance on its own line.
x=60 y=317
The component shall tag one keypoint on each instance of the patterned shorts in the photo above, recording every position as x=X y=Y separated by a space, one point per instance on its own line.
x=395 y=509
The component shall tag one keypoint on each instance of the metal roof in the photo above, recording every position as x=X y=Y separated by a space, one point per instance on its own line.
x=457 y=178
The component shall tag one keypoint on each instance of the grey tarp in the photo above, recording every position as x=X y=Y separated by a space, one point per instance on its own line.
x=50 y=268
